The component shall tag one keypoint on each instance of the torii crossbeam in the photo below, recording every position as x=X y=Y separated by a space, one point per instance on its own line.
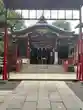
x=43 y=4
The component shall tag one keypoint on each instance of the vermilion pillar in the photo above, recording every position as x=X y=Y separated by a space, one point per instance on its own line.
x=80 y=52
x=5 y=55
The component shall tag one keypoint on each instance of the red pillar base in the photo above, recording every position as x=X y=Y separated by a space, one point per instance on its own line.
x=66 y=66
x=80 y=69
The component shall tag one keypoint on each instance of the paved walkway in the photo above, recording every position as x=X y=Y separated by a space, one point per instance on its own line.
x=3 y=95
x=42 y=95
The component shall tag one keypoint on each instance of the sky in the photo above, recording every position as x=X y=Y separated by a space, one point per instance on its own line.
x=47 y=15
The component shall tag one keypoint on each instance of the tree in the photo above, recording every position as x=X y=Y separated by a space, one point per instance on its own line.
x=62 y=24
x=18 y=24
x=11 y=14
x=2 y=9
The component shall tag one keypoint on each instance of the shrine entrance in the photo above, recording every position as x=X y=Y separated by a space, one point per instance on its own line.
x=47 y=43
x=41 y=56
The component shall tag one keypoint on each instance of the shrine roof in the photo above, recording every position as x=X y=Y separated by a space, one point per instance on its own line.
x=79 y=25
x=44 y=25
x=43 y=4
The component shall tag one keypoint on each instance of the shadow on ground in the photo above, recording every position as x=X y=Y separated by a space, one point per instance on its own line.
x=9 y=85
x=77 y=88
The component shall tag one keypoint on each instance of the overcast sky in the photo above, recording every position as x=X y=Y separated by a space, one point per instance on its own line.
x=47 y=15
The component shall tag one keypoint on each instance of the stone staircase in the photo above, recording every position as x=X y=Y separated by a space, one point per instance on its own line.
x=28 y=68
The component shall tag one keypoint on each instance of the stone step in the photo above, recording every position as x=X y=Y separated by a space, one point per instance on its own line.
x=42 y=68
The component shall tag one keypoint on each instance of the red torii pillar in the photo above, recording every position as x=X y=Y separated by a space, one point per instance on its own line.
x=5 y=75
x=80 y=53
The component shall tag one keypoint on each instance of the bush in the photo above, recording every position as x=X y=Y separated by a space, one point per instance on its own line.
x=71 y=68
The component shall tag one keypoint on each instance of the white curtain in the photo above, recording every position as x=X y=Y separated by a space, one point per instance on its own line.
x=56 y=58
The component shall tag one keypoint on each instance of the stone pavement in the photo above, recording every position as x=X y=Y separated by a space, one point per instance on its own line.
x=3 y=95
x=42 y=95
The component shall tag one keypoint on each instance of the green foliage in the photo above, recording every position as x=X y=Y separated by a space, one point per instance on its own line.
x=11 y=14
x=71 y=68
x=2 y=9
x=1 y=47
x=62 y=24
x=18 y=24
